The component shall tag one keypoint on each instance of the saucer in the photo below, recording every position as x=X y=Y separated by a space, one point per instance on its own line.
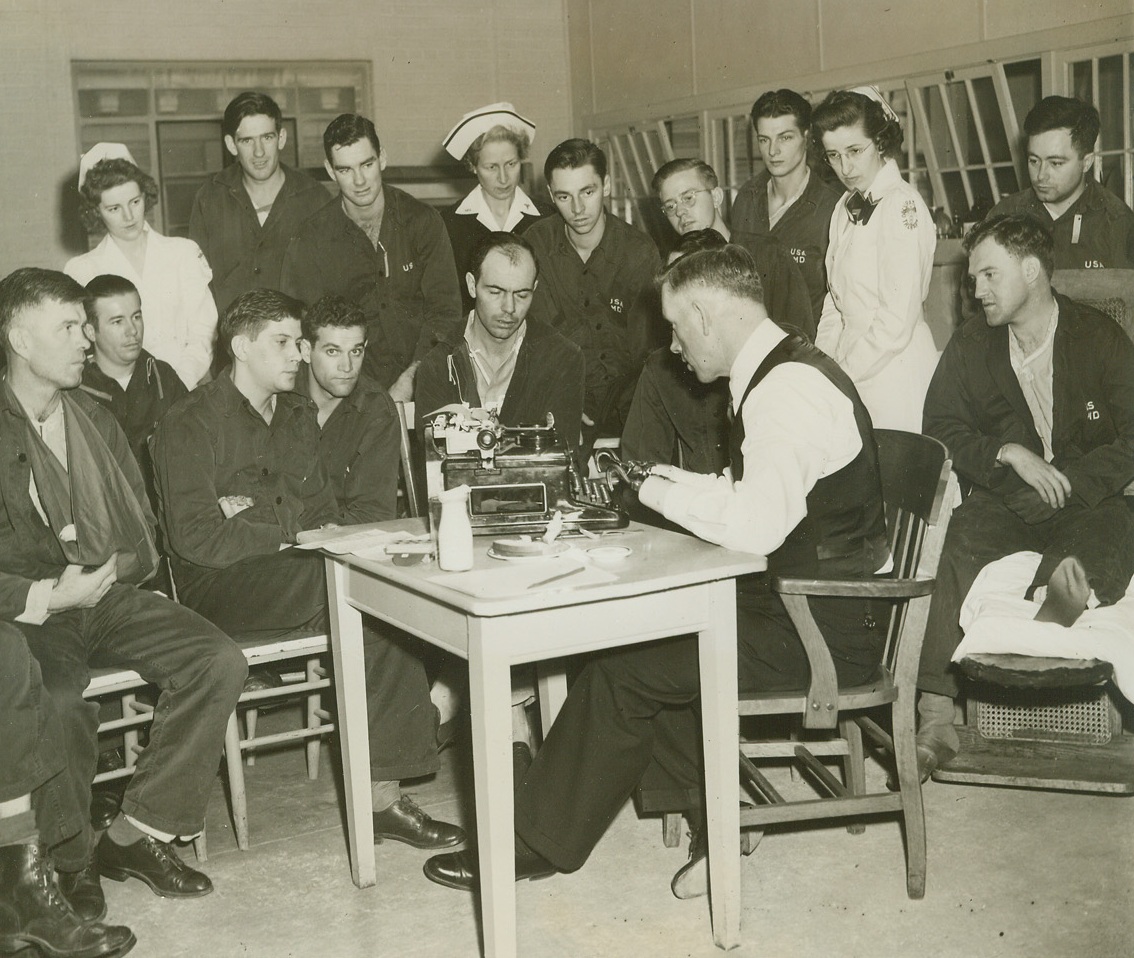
x=544 y=551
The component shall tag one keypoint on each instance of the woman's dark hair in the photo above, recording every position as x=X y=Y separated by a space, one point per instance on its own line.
x=846 y=108
x=782 y=103
x=498 y=134
x=106 y=175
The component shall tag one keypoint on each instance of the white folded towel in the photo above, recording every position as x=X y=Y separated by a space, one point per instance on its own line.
x=997 y=619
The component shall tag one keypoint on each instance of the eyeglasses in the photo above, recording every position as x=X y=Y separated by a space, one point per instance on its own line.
x=853 y=154
x=685 y=201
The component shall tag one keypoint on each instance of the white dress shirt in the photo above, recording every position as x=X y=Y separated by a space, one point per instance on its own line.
x=476 y=205
x=798 y=428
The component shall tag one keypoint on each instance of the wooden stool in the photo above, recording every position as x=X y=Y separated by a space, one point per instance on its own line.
x=1037 y=722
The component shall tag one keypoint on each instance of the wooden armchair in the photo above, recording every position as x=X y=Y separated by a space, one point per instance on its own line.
x=919 y=490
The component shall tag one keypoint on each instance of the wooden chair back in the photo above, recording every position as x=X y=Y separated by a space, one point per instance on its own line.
x=415 y=505
x=919 y=491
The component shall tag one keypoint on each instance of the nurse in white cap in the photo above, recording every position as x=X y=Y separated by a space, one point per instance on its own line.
x=492 y=142
x=171 y=273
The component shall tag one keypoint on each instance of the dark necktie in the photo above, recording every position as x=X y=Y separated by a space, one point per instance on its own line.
x=860 y=208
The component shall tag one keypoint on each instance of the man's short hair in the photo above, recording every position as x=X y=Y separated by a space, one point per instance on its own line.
x=511 y=245
x=102 y=287
x=572 y=154
x=1020 y=234
x=250 y=312
x=348 y=128
x=696 y=240
x=331 y=312
x=776 y=103
x=1079 y=119
x=27 y=288
x=729 y=268
x=246 y=104
x=680 y=165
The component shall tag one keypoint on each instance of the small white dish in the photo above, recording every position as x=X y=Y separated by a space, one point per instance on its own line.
x=608 y=555
x=549 y=551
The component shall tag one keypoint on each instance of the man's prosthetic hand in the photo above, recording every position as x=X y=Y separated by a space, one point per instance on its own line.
x=630 y=472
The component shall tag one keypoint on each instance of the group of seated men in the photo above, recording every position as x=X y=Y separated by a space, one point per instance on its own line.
x=1035 y=400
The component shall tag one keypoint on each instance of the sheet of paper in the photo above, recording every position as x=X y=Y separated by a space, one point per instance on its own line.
x=519 y=578
x=369 y=541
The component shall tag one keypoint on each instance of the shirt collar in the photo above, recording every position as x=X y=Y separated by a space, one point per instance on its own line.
x=1016 y=351
x=470 y=341
x=476 y=205
x=884 y=181
x=754 y=351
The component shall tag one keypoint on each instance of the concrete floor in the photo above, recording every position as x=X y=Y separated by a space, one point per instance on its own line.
x=1011 y=873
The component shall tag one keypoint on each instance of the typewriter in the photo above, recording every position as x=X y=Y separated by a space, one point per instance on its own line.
x=519 y=476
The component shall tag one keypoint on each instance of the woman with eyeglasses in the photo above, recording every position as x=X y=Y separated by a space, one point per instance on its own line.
x=879 y=259
x=170 y=273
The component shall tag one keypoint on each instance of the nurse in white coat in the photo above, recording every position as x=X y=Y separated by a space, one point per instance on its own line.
x=171 y=274
x=882 y=240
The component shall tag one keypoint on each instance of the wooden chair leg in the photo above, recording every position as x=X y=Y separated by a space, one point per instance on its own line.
x=250 y=717
x=671 y=829
x=130 y=744
x=314 y=708
x=201 y=846
x=909 y=783
x=236 y=782
x=854 y=766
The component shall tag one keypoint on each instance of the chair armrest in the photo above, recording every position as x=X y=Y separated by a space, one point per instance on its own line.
x=875 y=588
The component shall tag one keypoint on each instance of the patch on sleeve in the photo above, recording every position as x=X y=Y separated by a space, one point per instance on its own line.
x=909 y=215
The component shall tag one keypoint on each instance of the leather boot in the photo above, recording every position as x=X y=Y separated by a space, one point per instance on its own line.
x=937 y=739
x=34 y=913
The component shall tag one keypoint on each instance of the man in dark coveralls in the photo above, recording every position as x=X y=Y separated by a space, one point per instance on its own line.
x=244 y=216
x=1035 y=402
x=1090 y=226
x=240 y=475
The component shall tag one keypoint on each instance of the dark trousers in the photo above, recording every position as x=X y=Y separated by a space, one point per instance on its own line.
x=287 y=592
x=630 y=717
x=31 y=745
x=983 y=529
x=199 y=672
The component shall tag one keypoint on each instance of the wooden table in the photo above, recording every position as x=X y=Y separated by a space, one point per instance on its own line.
x=670 y=585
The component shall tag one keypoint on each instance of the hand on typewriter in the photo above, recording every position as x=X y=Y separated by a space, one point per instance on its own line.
x=631 y=472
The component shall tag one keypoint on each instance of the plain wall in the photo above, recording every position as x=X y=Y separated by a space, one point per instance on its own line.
x=631 y=61
x=432 y=60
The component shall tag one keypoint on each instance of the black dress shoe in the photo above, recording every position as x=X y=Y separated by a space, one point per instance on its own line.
x=459 y=869
x=83 y=890
x=155 y=863
x=105 y=806
x=405 y=822
x=34 y=915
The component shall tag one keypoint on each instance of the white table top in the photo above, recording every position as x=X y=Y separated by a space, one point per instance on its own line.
x=659 y=560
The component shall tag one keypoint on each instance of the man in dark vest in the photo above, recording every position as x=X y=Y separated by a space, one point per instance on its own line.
x=803 y=489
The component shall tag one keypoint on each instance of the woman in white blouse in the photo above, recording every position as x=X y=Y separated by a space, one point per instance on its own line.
x=882 y=240
x=171 y=274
